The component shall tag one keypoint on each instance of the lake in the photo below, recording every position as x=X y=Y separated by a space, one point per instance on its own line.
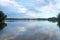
x=30 y=30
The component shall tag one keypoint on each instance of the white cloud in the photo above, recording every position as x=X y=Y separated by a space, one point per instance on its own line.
x=46 y=11
x=4 y=2
x=30 y=14
x=57 y=5
x=22 y=10
x=48 y=8
x=13 y=6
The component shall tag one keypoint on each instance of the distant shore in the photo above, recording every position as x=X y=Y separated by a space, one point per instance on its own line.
x=45 y=19
x=26 y=18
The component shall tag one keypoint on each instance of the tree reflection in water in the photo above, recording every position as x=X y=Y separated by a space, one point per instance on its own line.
x=58 y=18
x=58 y=23
x=2 y=25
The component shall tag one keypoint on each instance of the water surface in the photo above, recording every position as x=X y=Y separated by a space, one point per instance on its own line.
x=30 y=30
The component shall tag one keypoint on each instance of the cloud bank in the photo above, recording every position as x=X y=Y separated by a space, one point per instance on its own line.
x=30 y=8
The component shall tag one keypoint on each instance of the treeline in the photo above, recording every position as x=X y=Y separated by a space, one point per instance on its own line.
x=3 y=16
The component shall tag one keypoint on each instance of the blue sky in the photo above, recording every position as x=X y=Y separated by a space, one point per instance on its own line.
x=30 y=8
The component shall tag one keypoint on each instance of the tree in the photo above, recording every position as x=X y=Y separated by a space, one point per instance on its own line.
x=58 y=17
x=2 y=16
x=1 y=13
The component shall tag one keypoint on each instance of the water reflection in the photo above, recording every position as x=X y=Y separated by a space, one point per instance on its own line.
x=58 y=23
x=2 y=25
x=30 y=30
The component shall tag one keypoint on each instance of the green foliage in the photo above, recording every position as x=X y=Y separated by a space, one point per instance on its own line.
x=2 y=25
x=58 y=17
x=2 y=17
x=1 y=13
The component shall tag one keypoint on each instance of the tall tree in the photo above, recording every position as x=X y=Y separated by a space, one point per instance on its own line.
x=1 y=13
x=2 y=16
x=58 y=17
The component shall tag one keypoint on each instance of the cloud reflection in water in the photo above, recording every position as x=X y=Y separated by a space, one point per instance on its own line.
x=30 y=31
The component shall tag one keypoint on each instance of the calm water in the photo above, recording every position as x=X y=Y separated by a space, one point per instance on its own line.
x=30 y=30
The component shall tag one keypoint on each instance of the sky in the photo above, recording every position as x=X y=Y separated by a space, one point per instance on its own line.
x=30 y=8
